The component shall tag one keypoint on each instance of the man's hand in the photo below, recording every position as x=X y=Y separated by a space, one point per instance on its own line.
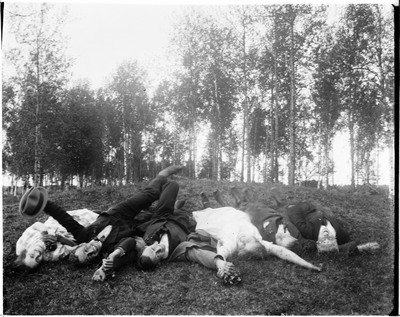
x=140 y=244
x=49 y=240
x=46 y=237
x=65 y=241
x=228 y=272
x=99 y=275
x=108 y=263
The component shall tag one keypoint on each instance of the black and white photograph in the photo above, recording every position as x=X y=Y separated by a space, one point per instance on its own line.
x=199 y=158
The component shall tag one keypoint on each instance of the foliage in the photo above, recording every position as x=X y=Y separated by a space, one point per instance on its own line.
x=267 y=84
x=359 y=84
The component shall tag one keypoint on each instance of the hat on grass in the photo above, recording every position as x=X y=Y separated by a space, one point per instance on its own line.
x=33 y=202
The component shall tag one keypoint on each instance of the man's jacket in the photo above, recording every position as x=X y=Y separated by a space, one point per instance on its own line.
x=267 y=221
x=308 y=220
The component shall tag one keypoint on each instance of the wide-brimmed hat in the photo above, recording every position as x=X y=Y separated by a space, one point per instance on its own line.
x=33 y=202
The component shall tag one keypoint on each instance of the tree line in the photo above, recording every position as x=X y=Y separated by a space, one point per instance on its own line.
x=270 y=85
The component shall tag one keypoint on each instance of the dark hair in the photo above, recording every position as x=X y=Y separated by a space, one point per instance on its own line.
x=74 y=260
x=20 y=266
x=145 y=263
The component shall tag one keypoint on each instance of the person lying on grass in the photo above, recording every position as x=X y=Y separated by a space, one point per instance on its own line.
x=273 y=226
x=303 y=221
x=49 y=241
x=321 y=226
x=236 y=235
x=90 y=241
x=168 y=237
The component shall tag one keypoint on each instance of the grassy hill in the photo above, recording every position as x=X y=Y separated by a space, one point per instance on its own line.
x=348 y=285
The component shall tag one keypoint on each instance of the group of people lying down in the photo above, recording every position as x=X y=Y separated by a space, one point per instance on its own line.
x=133 y=233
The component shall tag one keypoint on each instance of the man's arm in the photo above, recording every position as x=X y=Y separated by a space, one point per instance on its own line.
x=288 y=255
x=225 y=270
x=64 y=240
x=124 y=253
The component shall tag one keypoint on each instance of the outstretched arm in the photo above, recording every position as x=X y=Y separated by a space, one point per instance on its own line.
x=225 y=270
x=288 y=255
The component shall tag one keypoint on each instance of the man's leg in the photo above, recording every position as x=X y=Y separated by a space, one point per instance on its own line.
x=218 y=197
x=204 y=200
x=130 y=208
x=237 y=196
x=166 y=203
x=64 y=218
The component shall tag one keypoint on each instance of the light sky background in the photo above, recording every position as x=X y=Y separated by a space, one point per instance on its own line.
x=102 y=34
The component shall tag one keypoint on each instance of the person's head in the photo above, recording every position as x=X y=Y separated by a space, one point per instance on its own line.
x=30 y=258
x=30 y=249
x=283 y=237
x=249 y=247
x=327 y=238
x=86 y=252
x=151 y=256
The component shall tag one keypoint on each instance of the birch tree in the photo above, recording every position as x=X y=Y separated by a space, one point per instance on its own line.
x=38 y=55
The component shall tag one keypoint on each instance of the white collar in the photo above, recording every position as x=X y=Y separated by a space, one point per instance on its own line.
x=330 y=243
x=165 y=241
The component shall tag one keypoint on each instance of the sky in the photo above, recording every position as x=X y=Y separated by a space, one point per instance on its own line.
x=102 y=34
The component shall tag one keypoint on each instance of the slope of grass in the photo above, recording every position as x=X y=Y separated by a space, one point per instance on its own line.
x=355 y=285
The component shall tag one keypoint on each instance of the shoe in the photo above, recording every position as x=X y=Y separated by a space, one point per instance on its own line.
x=236 y=194
x=170 y=170
x=277 y=196
x=179 y=204
x=248 y=196
x=204 y=200
x=218 y=197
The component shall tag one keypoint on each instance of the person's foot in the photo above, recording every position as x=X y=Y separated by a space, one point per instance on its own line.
x=276 y=194
x=248 y=195
x=179 y=204
x=218 y=197
x=204 y=200
x=236 y=195
x=170 y=170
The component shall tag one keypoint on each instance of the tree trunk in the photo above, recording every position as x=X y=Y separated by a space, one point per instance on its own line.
x=391 y=163
x=245 y=106
x=274 y=160
x=217 y=130
x=192 y=173
x=326 y=158
x=292 y=159
x=37 y=166
x=352 y=148
x=125 y=146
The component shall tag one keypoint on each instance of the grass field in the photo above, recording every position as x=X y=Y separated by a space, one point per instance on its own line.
x=348 y=285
